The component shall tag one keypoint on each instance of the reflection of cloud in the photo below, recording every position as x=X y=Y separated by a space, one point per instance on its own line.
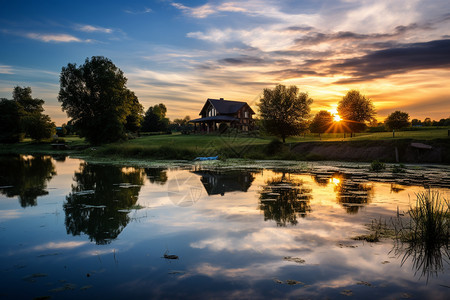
x=59 y=245
x=10 y=214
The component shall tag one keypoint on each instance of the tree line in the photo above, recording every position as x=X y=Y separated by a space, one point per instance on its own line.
x=102 y=109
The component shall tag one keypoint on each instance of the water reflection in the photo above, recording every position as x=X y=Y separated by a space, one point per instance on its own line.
x=351 y=194
x=26 y=177
x=99 y=202
x=157 y=175
x=219 y=183
x=283 y=198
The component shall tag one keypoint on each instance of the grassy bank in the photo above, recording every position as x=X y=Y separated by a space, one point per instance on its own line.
x=187 y=147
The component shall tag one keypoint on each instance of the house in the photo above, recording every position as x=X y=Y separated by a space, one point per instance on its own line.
x=219 y=114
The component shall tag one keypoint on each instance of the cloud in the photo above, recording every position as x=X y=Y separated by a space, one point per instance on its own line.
x=58 y=38
x=6 y=69
x=91 y=28
x=197 y=12
x=138 y=12
x=408 y=57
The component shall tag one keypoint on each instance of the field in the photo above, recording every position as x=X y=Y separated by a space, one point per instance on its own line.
x=178 y=146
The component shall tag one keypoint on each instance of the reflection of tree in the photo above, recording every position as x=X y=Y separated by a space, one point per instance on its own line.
x=221 y=182
x=98 y=203
x=321 y=180
x=157 y=175
x=282 y=199
x=26 y=177
x=351 y=195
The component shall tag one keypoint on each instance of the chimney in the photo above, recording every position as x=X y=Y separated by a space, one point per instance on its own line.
x=221 y=99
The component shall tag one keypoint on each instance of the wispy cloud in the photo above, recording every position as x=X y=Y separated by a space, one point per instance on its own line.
x=91 y=28
x=57 y=38
x=138 y=12
x=6 y=69
x=197 y=12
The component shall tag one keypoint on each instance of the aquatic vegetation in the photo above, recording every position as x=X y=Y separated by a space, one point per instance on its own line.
x=377 y=166
x=399 y=169
x=425 y=237
x=378 y=229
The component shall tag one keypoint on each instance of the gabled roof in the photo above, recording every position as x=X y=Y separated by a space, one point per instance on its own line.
x=225 y=107
x=214 y=118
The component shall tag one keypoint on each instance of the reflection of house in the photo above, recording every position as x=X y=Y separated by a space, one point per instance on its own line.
x=233 y=114
x=219 y=183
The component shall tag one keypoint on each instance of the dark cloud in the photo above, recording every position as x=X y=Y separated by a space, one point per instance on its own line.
x=252 y=61
x=300 y=28
x=314 y=38
x=407 y=57
x=292 y=73
x=302 y=53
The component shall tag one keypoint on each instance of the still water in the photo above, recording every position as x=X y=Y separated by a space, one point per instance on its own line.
x=72 y=230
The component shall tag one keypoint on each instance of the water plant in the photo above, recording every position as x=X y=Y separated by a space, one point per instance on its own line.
x=399 y=168
x=425 y=237
x=377 y=166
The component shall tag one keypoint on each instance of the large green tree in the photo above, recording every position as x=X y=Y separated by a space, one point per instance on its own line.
x=397 y=120
x=284 y=111
x=355 y=110
x=155 y=119
x=95 y=96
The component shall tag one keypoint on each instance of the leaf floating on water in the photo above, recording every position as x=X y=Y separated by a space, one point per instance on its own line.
x=347 y=293
x=364 y=283
x=293 y=282
x=49 y=254
x=278 y=281
x=170 y=256
x=294 y=259
x=83 y=288
x=406 y=296
x=385 y=262
x=67 y=286
x=176 y=272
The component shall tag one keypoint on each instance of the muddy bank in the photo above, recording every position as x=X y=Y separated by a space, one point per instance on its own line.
x=400 y=151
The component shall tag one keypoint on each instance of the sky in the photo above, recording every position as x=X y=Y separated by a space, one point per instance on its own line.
x=181 y=52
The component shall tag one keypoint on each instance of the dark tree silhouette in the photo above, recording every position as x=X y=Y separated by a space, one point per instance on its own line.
x=322 y=121
x=397 y=120
x=355 y=110
x=10 y=126
x=155 y=119
x=284 y=111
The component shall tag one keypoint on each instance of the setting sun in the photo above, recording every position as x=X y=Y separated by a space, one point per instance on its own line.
x=334 y=113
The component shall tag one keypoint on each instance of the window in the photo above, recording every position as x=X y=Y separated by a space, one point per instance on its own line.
x=246 y=115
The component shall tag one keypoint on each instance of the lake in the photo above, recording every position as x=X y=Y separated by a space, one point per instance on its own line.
x=71 y=229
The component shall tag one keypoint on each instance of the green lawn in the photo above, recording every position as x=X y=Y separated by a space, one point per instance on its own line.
x=178 y=146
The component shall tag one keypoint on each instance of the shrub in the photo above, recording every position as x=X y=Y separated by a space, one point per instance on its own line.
x=377 y=166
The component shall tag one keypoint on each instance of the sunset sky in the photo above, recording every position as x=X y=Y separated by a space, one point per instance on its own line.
x=182 y=52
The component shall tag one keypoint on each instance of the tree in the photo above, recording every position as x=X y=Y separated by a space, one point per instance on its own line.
x=155 y=119
x=135 y=118
x=416 y=122
x=427 y=122
x=24 y=115
x=397 y=120
x=95 y=96
x=284 y=111
x=322 y=121
x=39 y=126
x=355 y=110
x=10 y=124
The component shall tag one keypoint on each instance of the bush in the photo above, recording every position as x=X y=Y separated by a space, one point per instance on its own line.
x=377 y=166
x=274 y=147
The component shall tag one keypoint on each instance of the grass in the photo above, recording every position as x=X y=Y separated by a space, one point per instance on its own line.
x=178 y=146
x=425 y=238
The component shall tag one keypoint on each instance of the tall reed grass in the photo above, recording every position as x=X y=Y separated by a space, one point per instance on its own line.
x=425 y=237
